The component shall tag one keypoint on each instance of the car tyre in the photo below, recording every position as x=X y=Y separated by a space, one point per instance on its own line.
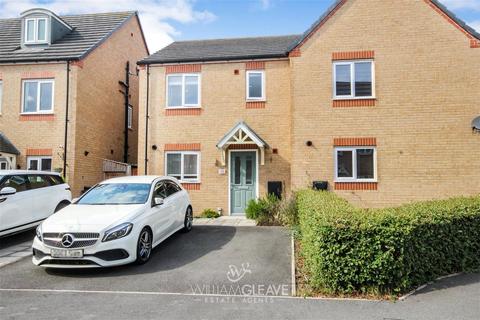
x=144 y=246
x=188 y=222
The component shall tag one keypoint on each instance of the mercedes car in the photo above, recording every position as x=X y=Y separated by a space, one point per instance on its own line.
x=118 y=221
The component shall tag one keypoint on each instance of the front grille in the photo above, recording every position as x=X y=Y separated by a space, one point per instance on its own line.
x=81 y=239
x=68 y=262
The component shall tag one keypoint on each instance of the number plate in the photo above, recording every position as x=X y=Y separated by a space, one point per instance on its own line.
x=56 y=253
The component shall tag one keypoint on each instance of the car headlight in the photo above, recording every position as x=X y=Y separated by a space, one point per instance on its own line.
x=39 y=232
x=118 y=232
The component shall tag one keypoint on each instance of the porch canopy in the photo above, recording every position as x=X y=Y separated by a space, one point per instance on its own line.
x=242 y=135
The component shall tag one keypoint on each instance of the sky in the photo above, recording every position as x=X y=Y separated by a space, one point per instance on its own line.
x=164 y=21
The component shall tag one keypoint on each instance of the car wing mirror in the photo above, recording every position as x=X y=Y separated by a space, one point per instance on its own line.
x=157 y=201
x=7 y=191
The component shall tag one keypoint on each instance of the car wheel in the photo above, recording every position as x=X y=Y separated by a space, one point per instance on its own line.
x=60 y=206
x=144 y=246
x=188 y=222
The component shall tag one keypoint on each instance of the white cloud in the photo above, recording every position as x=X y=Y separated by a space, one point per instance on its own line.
x=156 y=16
x=462 y=4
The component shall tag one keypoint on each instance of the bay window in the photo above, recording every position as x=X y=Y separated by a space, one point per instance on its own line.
x=184 y=165
x=353 y=79
x=183 y=90
x=355 y=164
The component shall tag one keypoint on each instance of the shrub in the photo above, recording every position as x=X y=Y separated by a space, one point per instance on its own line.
x=263 y=210
x=209 y=213
x=385 y=251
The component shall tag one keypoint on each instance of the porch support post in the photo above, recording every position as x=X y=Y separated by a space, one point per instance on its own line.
x=262 y=156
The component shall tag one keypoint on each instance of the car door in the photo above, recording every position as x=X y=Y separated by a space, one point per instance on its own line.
x=160 y=213
x=15 y=210
x=174 y=199
x=42 y=198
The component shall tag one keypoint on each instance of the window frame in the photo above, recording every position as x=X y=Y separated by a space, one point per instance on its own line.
x=352 y=63
x=35 y=30
x=39 y=159
x=263 y=97
x=184 y=105
x=182 y=169
x=1 y=95
x=354 y=164
x=130 y=118
x=39 y=82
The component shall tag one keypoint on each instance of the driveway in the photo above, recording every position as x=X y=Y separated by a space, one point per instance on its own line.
x=208 y=260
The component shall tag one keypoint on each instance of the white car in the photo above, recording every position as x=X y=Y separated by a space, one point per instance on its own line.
x=118 y=221
x=28 y=197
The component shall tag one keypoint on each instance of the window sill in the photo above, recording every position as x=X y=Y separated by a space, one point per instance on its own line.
x=183 y=111
x=183 y=107
x=354 y=102
x=356 y=185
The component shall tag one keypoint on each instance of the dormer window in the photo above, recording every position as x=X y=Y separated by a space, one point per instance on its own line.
x=36 y=30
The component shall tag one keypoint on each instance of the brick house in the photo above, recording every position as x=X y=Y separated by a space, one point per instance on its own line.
x=377 y=98
x=59 y=91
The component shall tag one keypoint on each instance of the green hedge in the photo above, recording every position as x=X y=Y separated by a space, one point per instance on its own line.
x=385 y=251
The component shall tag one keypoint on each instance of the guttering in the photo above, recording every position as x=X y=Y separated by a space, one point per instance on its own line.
x=215 y=60
x=146 y=119
x=65 y=141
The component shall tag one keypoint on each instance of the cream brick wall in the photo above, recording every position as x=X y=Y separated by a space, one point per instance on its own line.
x=100 y=106
x=33 y=134
x=428 y=92
x=223 y=106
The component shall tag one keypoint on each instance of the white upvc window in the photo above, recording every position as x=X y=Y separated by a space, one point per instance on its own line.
x=130 y=117
x=183 y=165
x=4 y=165
x=1 y=95
x=355 y=164
x=183 y=90
x=256 y=85
x=39 y=163
x=36 y=30
x=354 y=79
x=37 y=96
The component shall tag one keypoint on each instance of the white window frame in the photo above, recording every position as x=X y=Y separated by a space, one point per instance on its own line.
x=184 y=105
x=35 y=30
x=130 y=117
x=263 y=97
x=39 y=82
x=7 y=166
x=1 y=96
x=352 y=79
x=182 y=173
x=39 y=159
x=354 y=164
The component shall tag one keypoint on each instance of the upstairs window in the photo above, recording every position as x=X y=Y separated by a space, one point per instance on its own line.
x=183 y=90
x=353 y=79
x=255 y=85
x=356 y=164
x=36 y=30
x=130 y=117
x=37 y=96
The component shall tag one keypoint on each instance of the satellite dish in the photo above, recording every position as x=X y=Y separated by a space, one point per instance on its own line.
x=476 y=124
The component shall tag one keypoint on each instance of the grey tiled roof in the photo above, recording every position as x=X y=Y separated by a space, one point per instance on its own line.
x=223 y=49
x=6 y=146
x=89 y=31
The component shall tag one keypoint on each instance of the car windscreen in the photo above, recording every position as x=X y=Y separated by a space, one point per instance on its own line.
x=116 y=194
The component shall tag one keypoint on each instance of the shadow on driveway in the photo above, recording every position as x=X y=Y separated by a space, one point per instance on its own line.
x=461 y=280
x=178 y=250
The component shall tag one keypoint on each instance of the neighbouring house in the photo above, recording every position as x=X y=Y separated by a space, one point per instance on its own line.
x=60 y=99
x=8 y=153
x=375 y=102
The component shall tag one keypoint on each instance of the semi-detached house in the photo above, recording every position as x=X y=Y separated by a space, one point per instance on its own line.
x=60 y=105
x=374 y=102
